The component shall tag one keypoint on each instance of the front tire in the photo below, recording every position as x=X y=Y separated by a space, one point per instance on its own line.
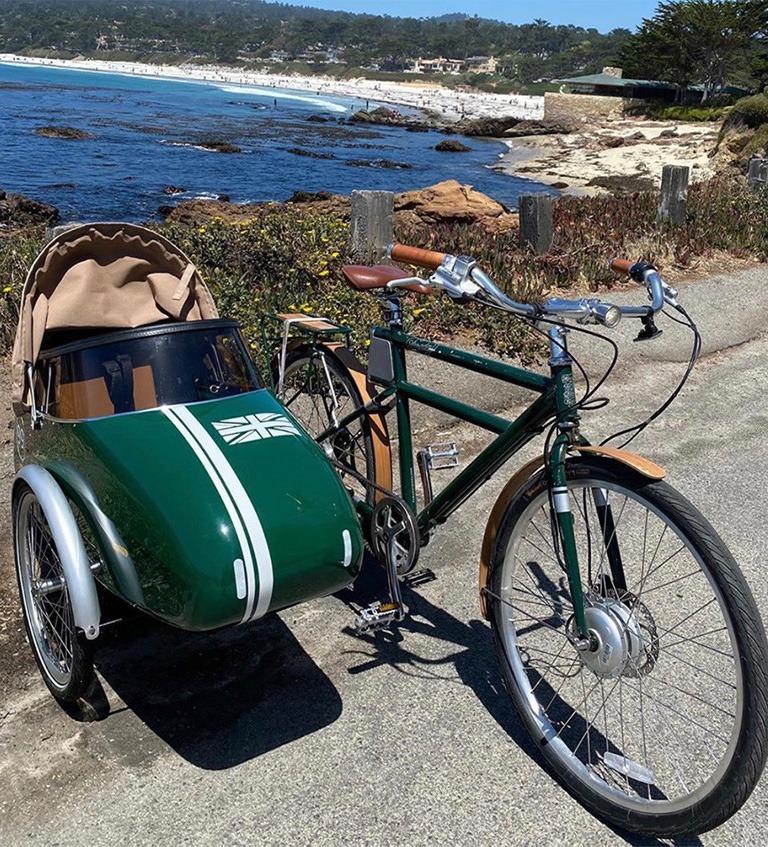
x=661 y=727
x=63 y=654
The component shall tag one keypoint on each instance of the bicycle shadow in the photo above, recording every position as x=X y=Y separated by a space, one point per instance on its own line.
x=217 y=699
x=476 y=665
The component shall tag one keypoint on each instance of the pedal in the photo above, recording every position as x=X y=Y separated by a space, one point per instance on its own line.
x=435 y=457
x=419 y=577
x=377 y=616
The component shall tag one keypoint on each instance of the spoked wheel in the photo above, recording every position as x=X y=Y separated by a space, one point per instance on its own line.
x=318 y=391
x=660 y=727
x=62 y=653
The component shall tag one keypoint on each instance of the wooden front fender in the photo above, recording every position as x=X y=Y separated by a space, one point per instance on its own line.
x=638 y=464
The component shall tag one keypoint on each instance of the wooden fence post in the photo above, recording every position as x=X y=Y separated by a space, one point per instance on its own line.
x=758 y=173
x=674 y=195
x=371 y=225
x=536 y=229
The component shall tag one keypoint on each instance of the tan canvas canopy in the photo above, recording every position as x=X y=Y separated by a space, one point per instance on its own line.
x=104 y=275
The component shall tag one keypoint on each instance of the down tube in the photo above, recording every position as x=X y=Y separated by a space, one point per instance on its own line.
x=524 y=428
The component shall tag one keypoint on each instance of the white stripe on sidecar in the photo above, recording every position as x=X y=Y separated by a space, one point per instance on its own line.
x=229 y=505
x=238 y=505
x=243 y=504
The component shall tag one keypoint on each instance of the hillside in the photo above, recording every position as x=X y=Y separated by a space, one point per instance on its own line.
x=280 y=36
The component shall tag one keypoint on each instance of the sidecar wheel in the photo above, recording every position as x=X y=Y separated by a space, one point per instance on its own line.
x=63 y=654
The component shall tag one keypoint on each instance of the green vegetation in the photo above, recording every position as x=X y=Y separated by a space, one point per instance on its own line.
x=270 y=35
x=687 y=114
x=287 y=260
x=749 y=112
x=704 y=42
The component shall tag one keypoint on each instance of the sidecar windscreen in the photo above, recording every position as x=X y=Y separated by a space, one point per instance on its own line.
x=143 y=368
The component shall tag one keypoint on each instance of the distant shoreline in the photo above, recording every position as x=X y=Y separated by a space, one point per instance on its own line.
x=448 y=104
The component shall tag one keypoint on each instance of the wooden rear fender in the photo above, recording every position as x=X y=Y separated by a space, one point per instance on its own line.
x=382 y=449
x=516 y=484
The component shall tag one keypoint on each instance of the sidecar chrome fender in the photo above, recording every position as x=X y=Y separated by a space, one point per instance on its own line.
x=69 y=543
x=639 y=464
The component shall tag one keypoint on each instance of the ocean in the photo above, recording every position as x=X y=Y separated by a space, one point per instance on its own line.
x=147 y=135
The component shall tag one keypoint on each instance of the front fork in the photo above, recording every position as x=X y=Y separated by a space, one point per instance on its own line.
x=568 y=435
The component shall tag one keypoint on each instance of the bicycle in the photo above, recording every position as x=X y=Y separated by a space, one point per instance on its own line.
x=628 y=639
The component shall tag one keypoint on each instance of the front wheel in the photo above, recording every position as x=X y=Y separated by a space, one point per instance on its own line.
x=659 y=727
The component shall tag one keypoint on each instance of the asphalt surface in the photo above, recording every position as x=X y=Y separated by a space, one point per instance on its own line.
x=293 y=731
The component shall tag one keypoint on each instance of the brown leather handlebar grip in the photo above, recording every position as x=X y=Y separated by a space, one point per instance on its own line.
x=621 y=266
x=416 y=256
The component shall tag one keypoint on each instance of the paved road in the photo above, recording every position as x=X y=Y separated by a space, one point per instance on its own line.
x=291 y=731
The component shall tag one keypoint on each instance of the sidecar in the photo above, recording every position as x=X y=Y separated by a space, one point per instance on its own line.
x=151 y=458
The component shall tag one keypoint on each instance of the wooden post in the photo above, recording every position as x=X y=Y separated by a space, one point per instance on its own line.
x=758 y=173
x=371 y=225
x=674 y=195
x=536 y=229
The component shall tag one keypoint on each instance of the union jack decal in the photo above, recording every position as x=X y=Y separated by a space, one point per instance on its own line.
x=254 y=427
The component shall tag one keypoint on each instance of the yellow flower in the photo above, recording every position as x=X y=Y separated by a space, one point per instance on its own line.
x=305 y=307
x=202 y=230
x=335 y=254
x=7 y=289
x=323 y=273
x=417 y=312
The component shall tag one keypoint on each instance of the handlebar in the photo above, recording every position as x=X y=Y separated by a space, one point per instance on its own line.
x=416 y=256
x=462 y=279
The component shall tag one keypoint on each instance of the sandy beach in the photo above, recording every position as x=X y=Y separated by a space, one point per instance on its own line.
x=449 y=105
x=604 y=154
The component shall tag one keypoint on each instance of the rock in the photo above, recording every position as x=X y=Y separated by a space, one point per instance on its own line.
x=310 y=196
x=62 y=132
x=559 y=185
x=220 y=146
x=224 y=198
x=321 y=201
x=667 y=133
x=451 y=202
x=318 y=119
x=377 y=163
x=388 y=117
x=198 y=211
x=613 y=141
x=312 y=154
x=491 y=127
x=170 y=190
x=380 y=115
x=16 y=210
x=526 y=128
x=445 y=202
x=451 y=146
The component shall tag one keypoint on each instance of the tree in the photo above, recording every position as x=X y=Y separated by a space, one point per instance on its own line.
x=698 y=41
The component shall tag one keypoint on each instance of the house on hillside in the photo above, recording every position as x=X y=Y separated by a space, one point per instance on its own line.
x=481 y=64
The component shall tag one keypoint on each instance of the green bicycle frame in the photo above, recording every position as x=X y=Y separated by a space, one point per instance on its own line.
x=556 y=401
